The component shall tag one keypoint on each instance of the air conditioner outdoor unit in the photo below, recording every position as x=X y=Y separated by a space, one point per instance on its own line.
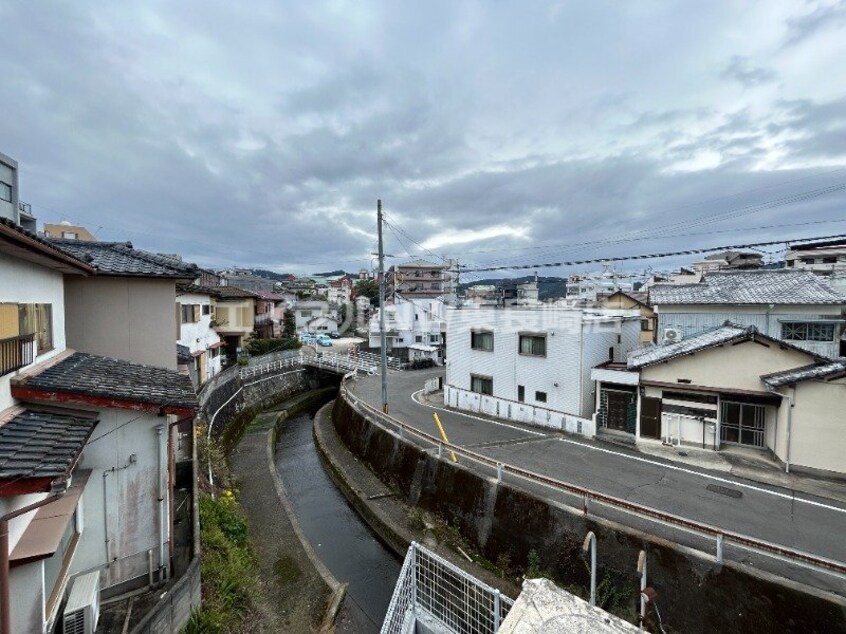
x=671 y=335
x=82 y=610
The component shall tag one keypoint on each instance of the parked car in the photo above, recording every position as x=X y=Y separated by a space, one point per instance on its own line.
x=308 y=338
x=323 y=340
x=334 y=335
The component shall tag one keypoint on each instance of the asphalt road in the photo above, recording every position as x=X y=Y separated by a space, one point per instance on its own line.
x=776 y=515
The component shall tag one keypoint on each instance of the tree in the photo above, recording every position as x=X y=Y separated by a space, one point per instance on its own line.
x=289 y=325
x=368 y=288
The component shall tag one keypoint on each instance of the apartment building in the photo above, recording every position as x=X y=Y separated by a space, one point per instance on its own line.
x=414 y=329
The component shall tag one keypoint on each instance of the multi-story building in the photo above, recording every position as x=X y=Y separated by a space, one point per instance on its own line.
x=504 y=293
x=794 y=306
x=420 y=279
x=315 y=316
x=822 y=258
x=533 y=364
x=589 y=286
x=633 y=301
x=194 y=315
x=234 y=318
x=66 y=231
x=11 y=206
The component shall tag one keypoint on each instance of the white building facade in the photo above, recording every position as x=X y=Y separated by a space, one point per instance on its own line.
x=533 y=365
x=416 y=325
x=195 y=313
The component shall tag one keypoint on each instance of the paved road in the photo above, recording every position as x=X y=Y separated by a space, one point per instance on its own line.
x=780 y=516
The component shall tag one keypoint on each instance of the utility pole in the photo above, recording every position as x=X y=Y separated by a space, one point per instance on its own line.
x=383 y=352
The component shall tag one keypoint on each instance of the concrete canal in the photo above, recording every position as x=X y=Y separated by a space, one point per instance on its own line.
x=341 y=539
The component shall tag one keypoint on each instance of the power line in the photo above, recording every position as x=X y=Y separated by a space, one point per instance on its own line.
x=650 y=255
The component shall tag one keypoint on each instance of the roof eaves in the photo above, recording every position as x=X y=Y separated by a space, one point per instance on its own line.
x=31 y=241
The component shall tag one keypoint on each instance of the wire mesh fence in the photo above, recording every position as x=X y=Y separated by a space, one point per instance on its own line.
x=432 y=590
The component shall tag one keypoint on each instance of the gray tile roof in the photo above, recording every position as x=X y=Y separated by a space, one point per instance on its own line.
x=103 y=377
x=708 y=339
x=233 y=292
x=121 y=258
x=42 y=444
x=806 y=373
x=749 y=287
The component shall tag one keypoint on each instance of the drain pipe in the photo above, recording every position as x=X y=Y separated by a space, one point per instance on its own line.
x=57 y=489
x=162 y=560
x=590 y=543
x=791 y=402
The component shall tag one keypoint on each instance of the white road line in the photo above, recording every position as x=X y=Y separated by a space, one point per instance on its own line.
x=785 y=496
x=484 y=420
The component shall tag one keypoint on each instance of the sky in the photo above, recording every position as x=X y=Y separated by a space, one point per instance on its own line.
x=261 y=133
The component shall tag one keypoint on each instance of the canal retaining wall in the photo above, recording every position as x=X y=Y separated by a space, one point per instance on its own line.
x=695 y=594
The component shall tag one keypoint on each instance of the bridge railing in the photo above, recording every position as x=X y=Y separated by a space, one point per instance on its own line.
x=340 y=362
x=591 y=501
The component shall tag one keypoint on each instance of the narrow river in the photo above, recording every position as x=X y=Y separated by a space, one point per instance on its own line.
x=341 y=539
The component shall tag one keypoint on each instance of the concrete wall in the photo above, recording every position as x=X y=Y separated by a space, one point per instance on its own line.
x=174 y=610
x=127 y=318
x=695 y=595
x=694 y=319
x=23 y=282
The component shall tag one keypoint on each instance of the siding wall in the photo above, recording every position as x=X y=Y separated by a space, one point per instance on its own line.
x=694 y=319
x=571 y=351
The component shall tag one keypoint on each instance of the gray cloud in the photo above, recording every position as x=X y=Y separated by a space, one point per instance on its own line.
x=823 y=16
x=264 y=137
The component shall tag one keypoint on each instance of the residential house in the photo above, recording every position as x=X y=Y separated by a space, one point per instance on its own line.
x=414 y=328
x=270 y=312
x=503 y=293
x=339 y=290
x=86 y=453
x=730 y=386
x=126 y=309
x=247 y=280
x=315 y=316
x=66 y=231
x=419 y=279
x=590 y=286
x=533 y=365
x=234 y=318
x=729 y=260
x=633 y=301
x=794 y=306
x=823 y=258
x=194 y=331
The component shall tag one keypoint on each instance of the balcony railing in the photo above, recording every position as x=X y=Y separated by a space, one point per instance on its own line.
x=16 y=352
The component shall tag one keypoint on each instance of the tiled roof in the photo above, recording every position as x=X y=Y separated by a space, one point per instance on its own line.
x=749 y=287
x=828 y=370
x=121 y=258
x=708 y=339
x=42 y=444
x=9 y=229
x=233 y=292
x=197 y=289
x=107 y=378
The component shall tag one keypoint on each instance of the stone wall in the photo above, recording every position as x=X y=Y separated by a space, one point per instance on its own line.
x=694 y=593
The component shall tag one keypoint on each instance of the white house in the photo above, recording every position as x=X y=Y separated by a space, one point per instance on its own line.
x=794 y=306
x=315 y=316
x=730 y=386
x=195 y=313
x=84 y=447
x=414 y=328
x=533 y=364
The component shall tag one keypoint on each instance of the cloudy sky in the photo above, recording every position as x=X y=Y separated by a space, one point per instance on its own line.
x=261 y=133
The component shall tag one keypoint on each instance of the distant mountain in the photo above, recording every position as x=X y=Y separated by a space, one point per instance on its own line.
x=271 y=275
x=548 y=287
x=337 y=273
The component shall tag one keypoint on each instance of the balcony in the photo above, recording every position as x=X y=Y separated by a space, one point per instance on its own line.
x=16 y=353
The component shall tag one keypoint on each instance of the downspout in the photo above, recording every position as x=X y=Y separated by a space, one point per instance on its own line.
x=162 y=557
x=58 y=489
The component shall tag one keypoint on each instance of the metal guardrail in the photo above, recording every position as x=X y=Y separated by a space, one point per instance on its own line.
x=433 y=590
x=588 y=496
x=16 y=353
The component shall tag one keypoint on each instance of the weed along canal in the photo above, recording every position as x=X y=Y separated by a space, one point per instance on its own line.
x=338 y=536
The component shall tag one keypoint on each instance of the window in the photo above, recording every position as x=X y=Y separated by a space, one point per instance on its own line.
x=69 y=235
x=416 y=317
x=481 y=384
x=646 y=325
x=418 y=339
x=305 y=313
x=37 y=319
x=206 y=309
x=533 y=344
x=807 y=331
x=482 y=340
x=5 y=192
x=830 y=260
x=190 y=313
x=434 y=338
x=521 y=393
x=540 y=397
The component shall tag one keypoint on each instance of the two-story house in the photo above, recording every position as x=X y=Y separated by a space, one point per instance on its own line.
x=415 y=328
x=533 y=365
x=85 y=454
x=194 y=315
x=797 y=307
x=315 y=316
x=234 y=318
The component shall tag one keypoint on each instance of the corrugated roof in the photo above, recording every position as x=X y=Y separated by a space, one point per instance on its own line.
x=121 y=258
x=749 y=287
x=104 y=377
x=708 y=339
x=806 y=373
x=42 y=444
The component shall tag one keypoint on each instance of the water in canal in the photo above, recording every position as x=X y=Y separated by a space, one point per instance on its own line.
x=338 y=535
